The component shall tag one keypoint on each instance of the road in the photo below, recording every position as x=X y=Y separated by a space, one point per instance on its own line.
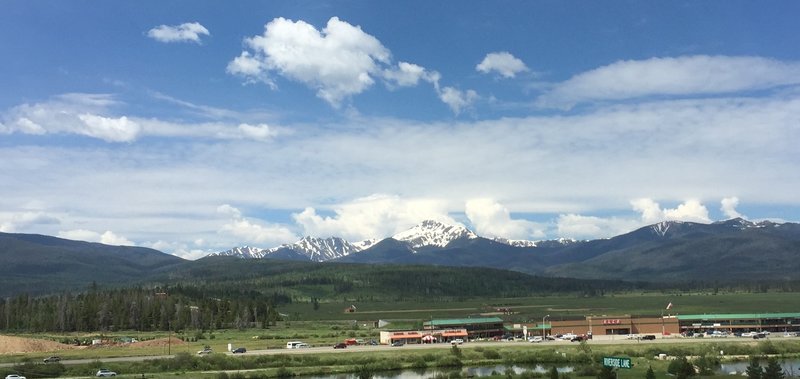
x=378 y=348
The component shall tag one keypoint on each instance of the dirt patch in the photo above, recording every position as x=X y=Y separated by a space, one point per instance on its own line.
x=159 y=342
x=17 y=345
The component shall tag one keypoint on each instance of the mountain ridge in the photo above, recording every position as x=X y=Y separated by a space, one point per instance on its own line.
x=434 y=243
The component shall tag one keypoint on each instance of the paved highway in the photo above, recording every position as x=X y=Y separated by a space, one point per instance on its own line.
x=368 y=348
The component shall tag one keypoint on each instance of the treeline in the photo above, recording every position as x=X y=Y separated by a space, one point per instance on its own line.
x=162 y=309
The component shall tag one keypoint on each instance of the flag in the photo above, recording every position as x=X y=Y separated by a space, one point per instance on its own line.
x=669 y=305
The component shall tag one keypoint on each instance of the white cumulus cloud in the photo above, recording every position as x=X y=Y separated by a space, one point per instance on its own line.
x=338 y=61
x=457 y=99
x=186 y=32
x=110 y=129
x=686 y=75
x=108 y=237
x=690 y=210
x=503 y=63
x=591 y=227
x=728 y=207
x=11 y=222
x=409 y=74
x=264 y=235
x=492 y=219
x=260 y=132
x=376 y=216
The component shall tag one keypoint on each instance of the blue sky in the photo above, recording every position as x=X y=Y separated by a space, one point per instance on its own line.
x=193 y=127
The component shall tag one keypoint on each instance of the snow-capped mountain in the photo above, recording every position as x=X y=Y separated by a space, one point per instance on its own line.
x=323 y=249
x=427 y=234
x=740 y=223
x=539 y=243
x=310 y=248
x=245 y=252
x=433 y=233
x=662 y=227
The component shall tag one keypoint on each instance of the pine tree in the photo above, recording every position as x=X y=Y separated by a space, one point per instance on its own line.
x=650 y=373
x=685 y=370
x=754 y=369
x=773 y=370
x=606 y=373
x=553 y=373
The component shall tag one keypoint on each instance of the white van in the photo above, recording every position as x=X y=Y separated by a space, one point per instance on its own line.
x=296 y=344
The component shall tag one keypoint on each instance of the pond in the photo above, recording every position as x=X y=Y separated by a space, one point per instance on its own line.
x=790 y=366
x=466 y=371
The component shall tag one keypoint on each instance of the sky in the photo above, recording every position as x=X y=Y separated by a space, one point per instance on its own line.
x=194 y=127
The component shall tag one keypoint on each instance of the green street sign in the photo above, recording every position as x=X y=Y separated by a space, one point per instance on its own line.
x=616 y=362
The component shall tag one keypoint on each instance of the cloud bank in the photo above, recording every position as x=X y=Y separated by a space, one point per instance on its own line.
x=672 y=76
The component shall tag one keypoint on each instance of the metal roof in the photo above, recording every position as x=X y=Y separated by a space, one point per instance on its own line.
x=738 y=316
x=465 y=321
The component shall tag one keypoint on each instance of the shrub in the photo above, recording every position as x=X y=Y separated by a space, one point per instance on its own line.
x=364 y=372
x=284 y=372
x=449 y=361
x=707 y=365
x=419 y=363
x=491 y=354
x=767 y=347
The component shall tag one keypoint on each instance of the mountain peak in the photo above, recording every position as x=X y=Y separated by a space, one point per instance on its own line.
x=434 y=233
x=663 y=227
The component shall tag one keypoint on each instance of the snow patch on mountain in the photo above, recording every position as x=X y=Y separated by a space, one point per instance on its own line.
x=662 y=227
x=323 y=249
x=316 y=249
x=538 y=243
x=244 y=252
x=433 y=233
x=516 y=243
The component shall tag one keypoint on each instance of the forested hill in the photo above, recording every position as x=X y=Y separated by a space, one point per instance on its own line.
x=334 y=281
x=37 y=264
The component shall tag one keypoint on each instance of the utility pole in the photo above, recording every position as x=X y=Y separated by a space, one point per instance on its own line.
x=544 y=328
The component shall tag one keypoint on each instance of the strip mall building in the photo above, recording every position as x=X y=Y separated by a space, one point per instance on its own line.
x=672 y=324
x=491 y=327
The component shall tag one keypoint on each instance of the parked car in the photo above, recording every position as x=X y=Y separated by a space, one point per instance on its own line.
x=15 y=376
x=52 y=359
x=105 y=373
x=340 y=345
x=457 y=341
x=239 y=350
x=398 y=343
x=373 y=342
x=535 y=339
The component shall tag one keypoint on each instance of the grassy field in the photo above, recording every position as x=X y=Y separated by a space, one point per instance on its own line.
x=534 y=308
x=329 y=324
